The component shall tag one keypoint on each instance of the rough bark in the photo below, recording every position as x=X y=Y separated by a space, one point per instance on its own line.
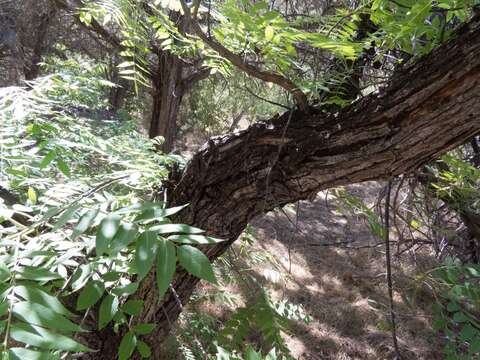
x=167 y=96
x=170 y=83
x=429 y=108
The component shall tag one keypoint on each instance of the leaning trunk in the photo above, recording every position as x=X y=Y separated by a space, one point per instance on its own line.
x=430 y=107
x=167 y=95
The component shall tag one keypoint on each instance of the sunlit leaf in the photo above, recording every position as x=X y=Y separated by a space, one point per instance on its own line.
x=36 y=273
x=45 y=339
x=194 y=239
x=125 y=235
x=37 y=314
x=145 y=253
x=65 y=217
x=27 y=354
x=105 y=233
x=36 y=295
x=175 y=228
x=85 y=222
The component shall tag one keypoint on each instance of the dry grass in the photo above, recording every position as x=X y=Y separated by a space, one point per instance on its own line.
x=344 y=290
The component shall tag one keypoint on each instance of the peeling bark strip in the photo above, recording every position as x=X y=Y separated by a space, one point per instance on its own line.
x=430 y=107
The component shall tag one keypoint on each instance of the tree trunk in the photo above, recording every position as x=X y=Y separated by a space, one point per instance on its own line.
x=32 y=69
x=117 y=95
x=167 y=96
x=429 y=108
x=10 y=42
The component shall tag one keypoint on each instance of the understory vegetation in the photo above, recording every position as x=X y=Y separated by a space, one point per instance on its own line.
x=102 y=116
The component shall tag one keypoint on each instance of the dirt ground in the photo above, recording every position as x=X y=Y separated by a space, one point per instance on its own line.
x=343 y=290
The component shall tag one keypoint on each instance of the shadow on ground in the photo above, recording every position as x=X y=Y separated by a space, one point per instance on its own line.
x=344 y=290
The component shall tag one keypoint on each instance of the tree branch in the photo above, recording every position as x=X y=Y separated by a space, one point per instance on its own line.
x=193 y=78
x=268 y=76
x=95 y=25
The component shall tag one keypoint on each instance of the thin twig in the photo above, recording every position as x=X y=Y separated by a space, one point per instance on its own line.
x=389 y=270
x=291 y=236
x=264 y=99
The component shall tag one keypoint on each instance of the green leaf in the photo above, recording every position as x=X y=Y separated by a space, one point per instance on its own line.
x=468 y=332
x=37 y=274
x=460 y=317
x=196 y=263
x=145 y=253
x=49 y=213
x=133 y=307
x=127 y=346
x=128 y=289
x=105 y=233
x=85 y=222
x=126 y=64
x=47 y=159
x=139 y=207
x=45 y=339
x=272 y=355
x=4 y=273
x=4 y=306
x=26 y=354
x=108 y=309
x=453 y=306
x=63 y=167
x=36 y=295
x=144 y=349
x=475 y=345
x=194 y=239
x=40 y=315
x=81 y=276
x=90 y=294
x=166 y=264
x=157 y=214
x=252 y=355
x=111 y=276
x=175 y=228
x=143 y=329
x=65 y=217
x=125 y=235
x=439 y=324
x=474 y=271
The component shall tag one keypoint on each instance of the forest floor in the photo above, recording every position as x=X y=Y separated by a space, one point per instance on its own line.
x=343 y=290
